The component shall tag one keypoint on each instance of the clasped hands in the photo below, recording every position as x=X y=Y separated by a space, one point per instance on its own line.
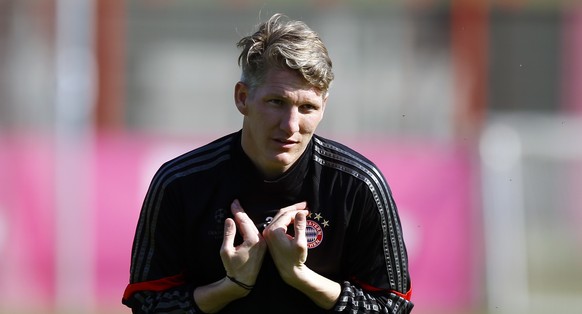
x=243 y=262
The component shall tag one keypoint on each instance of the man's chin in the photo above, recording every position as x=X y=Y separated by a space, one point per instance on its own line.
x=284 y=161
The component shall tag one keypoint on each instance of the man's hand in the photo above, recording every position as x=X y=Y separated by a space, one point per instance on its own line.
x=289 y=252
x=244 y=261
x=241 y=262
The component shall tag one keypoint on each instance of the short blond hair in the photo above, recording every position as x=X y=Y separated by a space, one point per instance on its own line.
x=285 y=44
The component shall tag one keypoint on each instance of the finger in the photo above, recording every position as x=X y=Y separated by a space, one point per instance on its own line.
x=299 y=206
x=238 y=212
x=294 y=207
x=236 y=207
x=289 y=211
x=279 y=226
x=229 y=234
x=246 y=226
x=300 y=224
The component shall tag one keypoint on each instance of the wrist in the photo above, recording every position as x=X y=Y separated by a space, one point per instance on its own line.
x=321 y=290
x=213 y=297
x=233 y=289
x=297 y=277
x=240 y=284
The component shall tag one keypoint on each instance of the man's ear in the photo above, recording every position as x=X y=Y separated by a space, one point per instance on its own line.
x=241 y=92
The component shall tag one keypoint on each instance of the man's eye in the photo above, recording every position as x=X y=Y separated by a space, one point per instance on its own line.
x=308 y=107
x=277 y=102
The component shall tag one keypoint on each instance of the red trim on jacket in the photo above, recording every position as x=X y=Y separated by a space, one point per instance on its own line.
x=154 y=285
x=406 y=295
x=370 y=288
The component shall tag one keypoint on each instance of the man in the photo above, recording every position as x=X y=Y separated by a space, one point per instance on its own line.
x=273 y=218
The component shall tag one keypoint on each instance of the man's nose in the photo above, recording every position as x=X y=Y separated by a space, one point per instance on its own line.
x=290 y=121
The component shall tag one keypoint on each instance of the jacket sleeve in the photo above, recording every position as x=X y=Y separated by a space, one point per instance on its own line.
x=177 y=299
x=377 y=261
x=354 y=299
x=157 y=283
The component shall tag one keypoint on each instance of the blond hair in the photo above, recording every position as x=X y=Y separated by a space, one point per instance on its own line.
x=286 y=45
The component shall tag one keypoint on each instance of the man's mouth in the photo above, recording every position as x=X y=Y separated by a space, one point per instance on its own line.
x=286 y=142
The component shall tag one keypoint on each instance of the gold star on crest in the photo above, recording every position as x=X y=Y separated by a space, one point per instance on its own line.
x=317 y=216
x=325 y=223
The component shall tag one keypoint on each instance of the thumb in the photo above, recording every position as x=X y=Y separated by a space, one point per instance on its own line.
x=300 y=224
x=229 y=234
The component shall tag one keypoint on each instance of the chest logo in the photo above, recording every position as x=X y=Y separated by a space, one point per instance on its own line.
x=313 y=233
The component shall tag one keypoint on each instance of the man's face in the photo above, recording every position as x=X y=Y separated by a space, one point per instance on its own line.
x=280 y=117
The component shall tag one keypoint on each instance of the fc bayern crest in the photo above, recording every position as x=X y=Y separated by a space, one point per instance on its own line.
x=314 y=234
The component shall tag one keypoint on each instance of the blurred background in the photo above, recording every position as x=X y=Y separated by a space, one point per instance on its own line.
x=471 y=108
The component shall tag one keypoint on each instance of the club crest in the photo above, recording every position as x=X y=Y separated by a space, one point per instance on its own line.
x=314 y=234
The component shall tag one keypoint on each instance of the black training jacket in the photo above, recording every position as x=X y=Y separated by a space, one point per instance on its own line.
x=353 y=230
